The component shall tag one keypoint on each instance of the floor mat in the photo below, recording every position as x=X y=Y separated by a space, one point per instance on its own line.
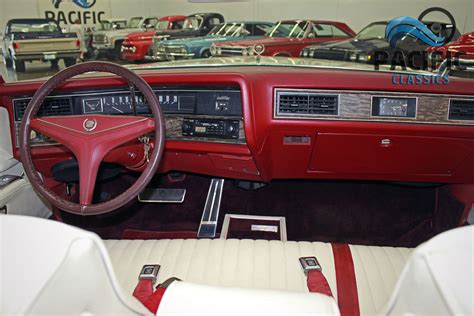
x=254 y=227
x=355 y=212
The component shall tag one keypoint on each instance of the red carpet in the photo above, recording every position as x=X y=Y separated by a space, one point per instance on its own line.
x=357 y=212
x=143 y=234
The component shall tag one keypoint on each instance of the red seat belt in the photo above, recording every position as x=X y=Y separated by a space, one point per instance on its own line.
x=317 y=283
x=315 y=278
x=147 y=295
x=347 y=295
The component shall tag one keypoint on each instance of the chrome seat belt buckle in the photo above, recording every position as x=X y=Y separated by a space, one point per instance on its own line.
x=149 y=272
x=310 y=264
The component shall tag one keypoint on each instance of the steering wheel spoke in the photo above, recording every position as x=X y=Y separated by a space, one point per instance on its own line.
x=78 y=131
x=91 y=137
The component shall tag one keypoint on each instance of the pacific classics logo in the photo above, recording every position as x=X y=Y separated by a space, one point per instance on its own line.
x=84 y=13
x=436 y=35
x=407 y=26
x=85 y=4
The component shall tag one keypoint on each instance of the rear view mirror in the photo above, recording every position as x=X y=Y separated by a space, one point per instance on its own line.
x=149 y=26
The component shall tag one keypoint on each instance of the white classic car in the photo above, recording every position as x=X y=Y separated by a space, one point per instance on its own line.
x=110 y=41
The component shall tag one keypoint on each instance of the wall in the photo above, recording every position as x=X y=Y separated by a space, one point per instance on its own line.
x=356 y=13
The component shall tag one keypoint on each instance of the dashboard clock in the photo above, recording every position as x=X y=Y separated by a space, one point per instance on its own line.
x=394 y=107
x=92 y=105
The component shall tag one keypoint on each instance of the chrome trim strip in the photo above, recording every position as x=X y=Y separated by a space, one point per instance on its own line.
x=369 y=118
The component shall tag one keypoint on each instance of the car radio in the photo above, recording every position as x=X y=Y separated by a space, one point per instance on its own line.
x=213 y=128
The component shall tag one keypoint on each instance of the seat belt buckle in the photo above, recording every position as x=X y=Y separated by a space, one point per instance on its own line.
x=310 y=264
x=149 y=272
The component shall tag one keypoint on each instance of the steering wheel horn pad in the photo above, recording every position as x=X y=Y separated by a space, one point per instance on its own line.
x=90 y=138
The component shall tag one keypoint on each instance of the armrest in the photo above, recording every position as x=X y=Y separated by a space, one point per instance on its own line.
x=6 y=179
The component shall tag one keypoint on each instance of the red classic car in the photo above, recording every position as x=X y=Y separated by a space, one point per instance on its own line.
x=136 y=45
x=463 y=48
x=287 y=38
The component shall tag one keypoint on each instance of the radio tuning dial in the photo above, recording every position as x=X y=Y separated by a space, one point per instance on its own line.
x=187 y=127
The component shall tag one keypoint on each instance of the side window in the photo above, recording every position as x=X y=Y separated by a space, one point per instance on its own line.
x=261 y=29
x=151 y=21
x=177 y=25
x=328 y=30
x=323 y=30
x=250 y=28
x=337 y=31
x=214 y=21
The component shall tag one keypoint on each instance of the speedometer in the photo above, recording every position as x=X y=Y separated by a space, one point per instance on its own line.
x=92 y=105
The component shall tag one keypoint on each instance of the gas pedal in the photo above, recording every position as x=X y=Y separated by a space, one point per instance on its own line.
x=210 y=215
x=162 y=196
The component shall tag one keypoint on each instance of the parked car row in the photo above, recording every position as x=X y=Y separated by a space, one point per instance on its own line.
x=285 y=38
x=370 y=46
x=203 y=35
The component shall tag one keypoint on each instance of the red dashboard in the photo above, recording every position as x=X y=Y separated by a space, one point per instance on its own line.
x=351 y=145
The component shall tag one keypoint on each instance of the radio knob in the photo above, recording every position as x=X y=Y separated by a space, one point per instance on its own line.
x=232 y=128
x=187 y=127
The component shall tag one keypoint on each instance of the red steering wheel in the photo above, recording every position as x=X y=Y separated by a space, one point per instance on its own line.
x=90 y=138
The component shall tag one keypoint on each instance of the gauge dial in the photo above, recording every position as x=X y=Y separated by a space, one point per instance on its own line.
x=92 y=105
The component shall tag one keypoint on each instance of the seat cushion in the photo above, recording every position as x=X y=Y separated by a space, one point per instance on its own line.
x=259 y=264
x=377 y=270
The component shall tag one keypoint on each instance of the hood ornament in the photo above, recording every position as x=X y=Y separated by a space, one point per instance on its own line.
x=89 y=125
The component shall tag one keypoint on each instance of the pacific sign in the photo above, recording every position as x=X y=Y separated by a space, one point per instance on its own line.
x=88 y=12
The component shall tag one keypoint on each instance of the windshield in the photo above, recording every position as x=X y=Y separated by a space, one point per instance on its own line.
x=48 y=27
x=202 y=33
x=193 y=23
x=372 y=31
x=230 y=29
x=288 y=29
x=109 y=25
x=162 y=25
x=134 y=23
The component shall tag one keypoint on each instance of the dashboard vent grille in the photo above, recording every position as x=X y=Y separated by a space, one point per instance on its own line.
x=295 y=103
x=461 y=110
x=50 y=107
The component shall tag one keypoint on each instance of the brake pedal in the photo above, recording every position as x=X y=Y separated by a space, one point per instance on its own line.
x=162 y=196
x=210 y=215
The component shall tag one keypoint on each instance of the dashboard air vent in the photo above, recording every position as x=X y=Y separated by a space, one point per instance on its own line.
x=296 y=103
x=461 y=109
x=50 y=107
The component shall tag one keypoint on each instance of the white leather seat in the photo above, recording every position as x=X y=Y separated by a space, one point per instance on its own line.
x=53 y=269
x=258 y=264
x=48 y=268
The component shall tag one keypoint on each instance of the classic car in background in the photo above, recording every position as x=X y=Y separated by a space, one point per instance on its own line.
x=462 y=48
x=136 y=45
x=109 y=42
x=200 y=47
x=38 y=39
x=112 y=24
x=198 y=24
x=287 y=38
x=367 y=43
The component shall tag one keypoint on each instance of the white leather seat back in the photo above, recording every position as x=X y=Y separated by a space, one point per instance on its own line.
x=438 y=279
x=251 y=264
x=182 y=298
x=48 y=268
